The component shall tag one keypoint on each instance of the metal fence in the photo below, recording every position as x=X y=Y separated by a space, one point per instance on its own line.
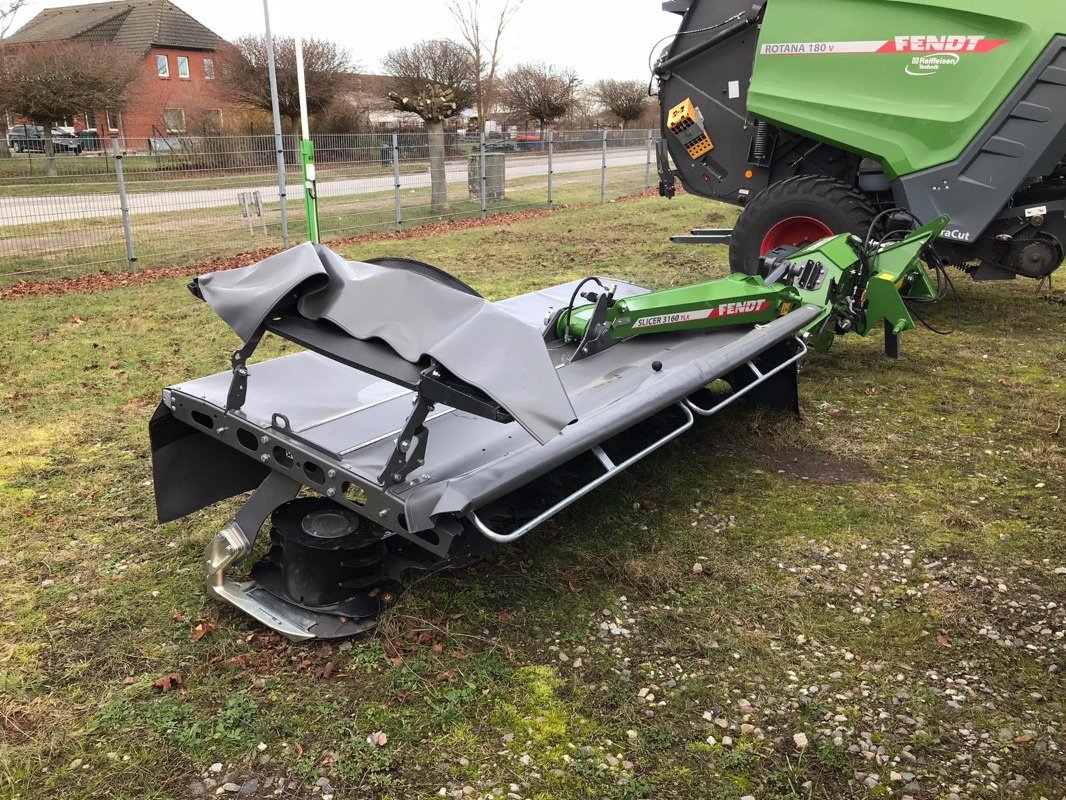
x=174 y=201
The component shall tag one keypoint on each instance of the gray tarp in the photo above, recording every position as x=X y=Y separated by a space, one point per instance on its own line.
x=415 y=315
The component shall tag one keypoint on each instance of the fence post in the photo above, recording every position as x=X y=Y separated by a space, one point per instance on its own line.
x=551 y=170
x=396 y=179
x=647 y=164
x=484 y=179
x=123 y=203
x=603 y=172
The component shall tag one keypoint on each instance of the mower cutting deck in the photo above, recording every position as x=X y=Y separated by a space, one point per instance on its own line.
x=421 y=449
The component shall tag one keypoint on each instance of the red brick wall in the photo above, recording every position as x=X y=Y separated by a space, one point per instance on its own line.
x=150 y=95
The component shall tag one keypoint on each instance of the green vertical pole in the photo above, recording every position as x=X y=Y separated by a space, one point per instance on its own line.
x=307 y=149
x=307 y=158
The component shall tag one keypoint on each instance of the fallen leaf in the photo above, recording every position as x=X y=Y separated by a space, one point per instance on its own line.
x=175 y=680
x=505 y=616
x=649 y=505
x=325 y=672
x=201 y=630
x=573 y=587
x=437 y=649
x=378 y=738
x=298 y=748
x=444 y=677
x=943 y=641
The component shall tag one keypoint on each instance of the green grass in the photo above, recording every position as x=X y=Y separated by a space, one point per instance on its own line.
x=942 y=452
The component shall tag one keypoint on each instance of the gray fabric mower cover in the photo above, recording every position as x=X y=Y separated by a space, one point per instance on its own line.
x=415 y=315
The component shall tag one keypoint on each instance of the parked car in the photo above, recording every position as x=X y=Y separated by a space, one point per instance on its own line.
x=25 y=138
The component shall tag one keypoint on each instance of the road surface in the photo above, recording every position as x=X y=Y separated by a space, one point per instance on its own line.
x=58 y=208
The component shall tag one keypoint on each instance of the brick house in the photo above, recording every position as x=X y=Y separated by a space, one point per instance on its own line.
x=176 y=92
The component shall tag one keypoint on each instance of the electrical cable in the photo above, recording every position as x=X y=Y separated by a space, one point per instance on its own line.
x=945 y=286
x=679 y=34
x=573 y=299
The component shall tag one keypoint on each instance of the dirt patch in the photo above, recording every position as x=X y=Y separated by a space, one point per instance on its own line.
x=814 y=466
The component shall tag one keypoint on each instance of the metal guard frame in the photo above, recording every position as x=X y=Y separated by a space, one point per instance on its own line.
x=611 y=468
x=760 y=377
x=687 y=406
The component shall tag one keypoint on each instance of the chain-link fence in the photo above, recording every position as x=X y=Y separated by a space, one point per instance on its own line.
x=173 y=201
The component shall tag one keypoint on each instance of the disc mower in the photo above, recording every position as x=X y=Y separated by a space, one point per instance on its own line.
x=420 y=425
x=816 y=115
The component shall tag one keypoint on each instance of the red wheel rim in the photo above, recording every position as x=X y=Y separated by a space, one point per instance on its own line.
x=794 y=232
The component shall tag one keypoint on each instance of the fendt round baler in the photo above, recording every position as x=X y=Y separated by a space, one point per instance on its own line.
x=814 y=115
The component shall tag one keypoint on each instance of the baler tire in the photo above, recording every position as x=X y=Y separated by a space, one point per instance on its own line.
x=836 y=205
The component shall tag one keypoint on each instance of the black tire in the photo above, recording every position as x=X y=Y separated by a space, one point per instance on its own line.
x=839 y=207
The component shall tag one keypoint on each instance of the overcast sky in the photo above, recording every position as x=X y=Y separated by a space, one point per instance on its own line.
x=598 y=38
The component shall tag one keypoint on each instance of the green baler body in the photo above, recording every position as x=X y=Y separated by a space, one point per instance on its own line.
x=907 y=82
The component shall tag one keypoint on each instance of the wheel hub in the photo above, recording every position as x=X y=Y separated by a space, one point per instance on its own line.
x=794 y=232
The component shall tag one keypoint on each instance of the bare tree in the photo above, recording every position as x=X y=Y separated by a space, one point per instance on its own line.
x=8 y=11
x=540 y=91
x=435 y=80
x=48 y=83
x=484 y=47
x=7 y=19
x=623 y=99
x=245 y=74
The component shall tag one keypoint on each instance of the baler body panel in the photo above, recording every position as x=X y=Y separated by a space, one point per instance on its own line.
x=908 y=82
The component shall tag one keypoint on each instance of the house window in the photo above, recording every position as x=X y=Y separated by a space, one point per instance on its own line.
x=183 y=67
x=174 y=119
x=209 y=69
x=162 y=66
x=112 y=121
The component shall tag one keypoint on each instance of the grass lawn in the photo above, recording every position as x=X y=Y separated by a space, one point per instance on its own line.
x=878 y=609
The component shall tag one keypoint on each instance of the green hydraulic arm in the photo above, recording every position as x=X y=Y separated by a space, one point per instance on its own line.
x=854 y=288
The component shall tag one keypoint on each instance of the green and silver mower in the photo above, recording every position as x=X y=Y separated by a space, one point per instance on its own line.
x=420 y=425
x=816 y=115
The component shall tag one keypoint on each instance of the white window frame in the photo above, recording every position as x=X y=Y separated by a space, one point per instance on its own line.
x=181 y=111
x=183 y=60
x=209 y=72
x=162 y=66
x=112 y=120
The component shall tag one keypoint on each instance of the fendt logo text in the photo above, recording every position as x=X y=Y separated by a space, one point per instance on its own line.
x=943 y=44
x=736 y=309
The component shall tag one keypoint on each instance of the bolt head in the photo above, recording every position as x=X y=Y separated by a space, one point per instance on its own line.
x=264 y=458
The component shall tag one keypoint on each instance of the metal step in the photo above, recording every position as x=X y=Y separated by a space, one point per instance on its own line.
x=705 y=236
